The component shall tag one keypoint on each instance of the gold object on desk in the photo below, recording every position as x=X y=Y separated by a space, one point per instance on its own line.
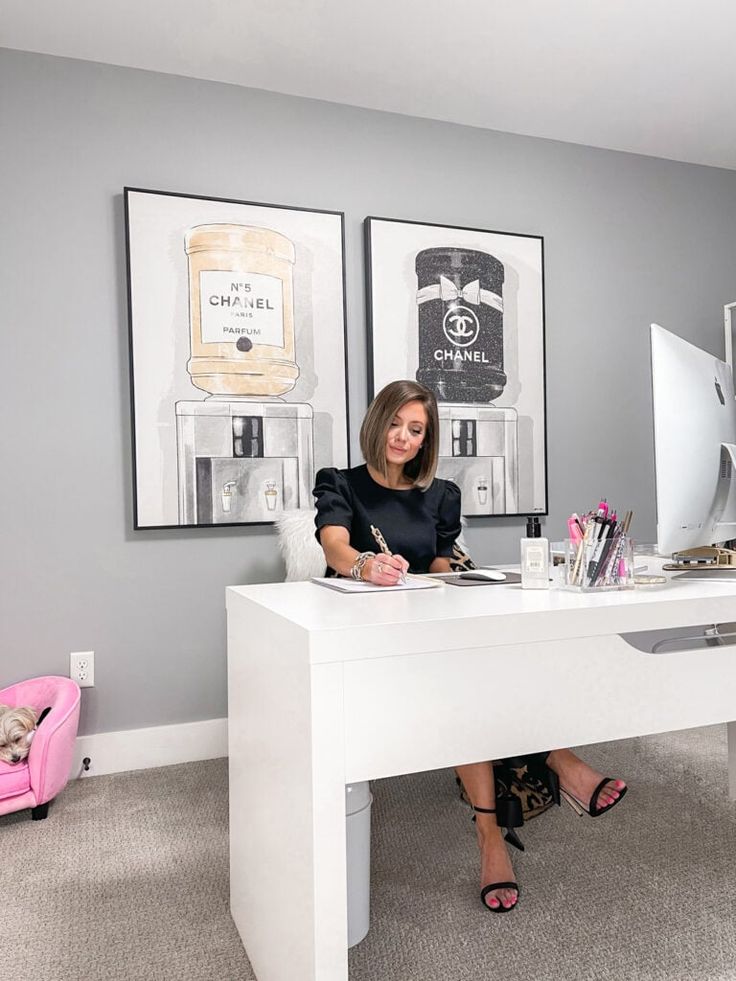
x=705 y=557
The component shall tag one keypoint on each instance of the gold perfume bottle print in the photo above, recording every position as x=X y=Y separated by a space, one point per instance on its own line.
x=241 y=310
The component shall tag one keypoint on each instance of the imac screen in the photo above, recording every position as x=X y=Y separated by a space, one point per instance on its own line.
x=694 y=414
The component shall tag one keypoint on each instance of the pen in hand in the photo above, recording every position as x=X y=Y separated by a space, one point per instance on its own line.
x=383 y=545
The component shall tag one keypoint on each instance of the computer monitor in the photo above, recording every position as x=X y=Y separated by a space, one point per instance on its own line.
x=694 y=444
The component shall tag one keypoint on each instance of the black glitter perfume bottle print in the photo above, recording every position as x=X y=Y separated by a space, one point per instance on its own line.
x=460 y=311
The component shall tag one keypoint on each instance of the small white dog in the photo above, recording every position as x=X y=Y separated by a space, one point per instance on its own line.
x=17 y=726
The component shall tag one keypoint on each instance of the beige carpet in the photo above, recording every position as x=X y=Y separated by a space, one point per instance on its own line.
x=127 y=879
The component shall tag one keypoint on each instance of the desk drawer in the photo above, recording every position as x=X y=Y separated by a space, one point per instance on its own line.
x=424 y=711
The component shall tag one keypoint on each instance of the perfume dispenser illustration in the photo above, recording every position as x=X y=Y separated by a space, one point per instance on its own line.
x=244 y=454
x=478 y=451
x=460 y=338
x=243 y=460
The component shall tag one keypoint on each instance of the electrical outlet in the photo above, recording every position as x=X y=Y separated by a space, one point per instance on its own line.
x=82 y=668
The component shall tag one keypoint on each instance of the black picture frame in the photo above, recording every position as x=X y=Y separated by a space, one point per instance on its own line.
x=462 y=310
x=236 y=312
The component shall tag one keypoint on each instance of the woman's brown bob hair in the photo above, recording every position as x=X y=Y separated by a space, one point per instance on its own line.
x=380 y=415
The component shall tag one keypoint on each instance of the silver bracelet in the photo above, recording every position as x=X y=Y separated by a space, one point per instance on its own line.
x=357 y=570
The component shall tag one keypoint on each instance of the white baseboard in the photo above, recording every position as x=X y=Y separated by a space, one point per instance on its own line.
x=141 y=749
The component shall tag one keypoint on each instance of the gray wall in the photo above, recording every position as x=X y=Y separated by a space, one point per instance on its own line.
x=628 y=240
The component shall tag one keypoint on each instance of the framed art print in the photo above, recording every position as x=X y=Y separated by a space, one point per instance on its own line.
x=237 y=356
x=461 y=310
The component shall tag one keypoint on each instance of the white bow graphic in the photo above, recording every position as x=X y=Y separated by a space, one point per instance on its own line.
x=446 y=291
x=469 y=293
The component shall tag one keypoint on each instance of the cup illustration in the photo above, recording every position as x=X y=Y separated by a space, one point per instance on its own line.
x=272 y=495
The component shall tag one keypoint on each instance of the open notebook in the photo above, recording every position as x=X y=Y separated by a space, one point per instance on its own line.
x=353 y=586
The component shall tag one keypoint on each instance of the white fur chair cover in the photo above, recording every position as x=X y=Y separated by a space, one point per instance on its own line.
x=302 y=554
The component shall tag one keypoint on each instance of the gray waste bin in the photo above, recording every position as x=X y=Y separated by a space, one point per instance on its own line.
x=358 y=800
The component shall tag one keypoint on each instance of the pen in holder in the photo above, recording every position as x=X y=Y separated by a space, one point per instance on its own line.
x=599 y=563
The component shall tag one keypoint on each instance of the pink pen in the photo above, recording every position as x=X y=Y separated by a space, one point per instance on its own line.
x=574 y=529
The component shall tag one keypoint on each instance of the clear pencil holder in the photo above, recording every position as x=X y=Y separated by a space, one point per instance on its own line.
x=596 y=566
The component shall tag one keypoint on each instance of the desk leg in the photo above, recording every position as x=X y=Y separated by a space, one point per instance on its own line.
x=732 y=760
x=328 y=825
x=288 y=889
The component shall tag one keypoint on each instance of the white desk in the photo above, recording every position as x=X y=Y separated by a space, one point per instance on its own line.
x=327 y=689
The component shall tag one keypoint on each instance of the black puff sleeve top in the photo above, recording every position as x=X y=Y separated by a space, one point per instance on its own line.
x=419 y=525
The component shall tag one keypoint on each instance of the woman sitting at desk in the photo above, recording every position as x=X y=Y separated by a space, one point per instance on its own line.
x=395 y=499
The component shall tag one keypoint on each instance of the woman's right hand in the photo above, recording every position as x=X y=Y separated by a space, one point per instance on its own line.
x=385 y=570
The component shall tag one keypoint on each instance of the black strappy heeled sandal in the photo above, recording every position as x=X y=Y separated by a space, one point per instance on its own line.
x=592 y=809
x=492 y=886
x=509 y=814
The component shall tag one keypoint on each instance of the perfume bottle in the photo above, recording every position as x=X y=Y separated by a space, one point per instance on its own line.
x=534 y=557
x=460 y=324
x=482 y=490
x=241 y=310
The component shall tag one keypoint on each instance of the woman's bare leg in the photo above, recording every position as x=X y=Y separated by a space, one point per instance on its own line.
x=495 y=863
x=580 y=780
